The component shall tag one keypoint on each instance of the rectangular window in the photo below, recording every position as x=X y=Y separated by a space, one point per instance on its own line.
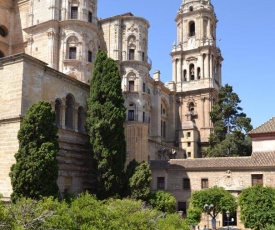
x=131 y=115
x=189 y=154
x=144 y=87
x=131 y=86
x=186 y=184
x=188 y=134
x=204 y=183
x=74 y=12
x=90 y=56
x=188 y=144
x=143 y=56
x=72 y=53
x=257 y=179
x=160 y=183
x=90 y=17
x=143 y=116
x=182 y=207
x=131 y=54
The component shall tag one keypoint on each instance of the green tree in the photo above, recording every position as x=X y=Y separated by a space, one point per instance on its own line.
x=218 y=199
x=36 y=169
x=129 y=214
x=231 y=126
x=140 y=182
x=193 y=215
x=163 y=201
x=130 y=171
x=27 y=213
x=172 y=222
x=106 y=116
x=86 y=212
x=3 y=214
x=257 y=205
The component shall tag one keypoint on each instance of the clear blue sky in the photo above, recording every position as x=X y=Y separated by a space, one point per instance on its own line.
x=247 y=32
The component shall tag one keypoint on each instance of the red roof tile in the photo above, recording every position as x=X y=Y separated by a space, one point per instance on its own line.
x=258 y=159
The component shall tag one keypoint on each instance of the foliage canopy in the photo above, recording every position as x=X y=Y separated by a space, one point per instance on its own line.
x=257 y=205
x=87 y=213
x=163 y=201
x=140 y=182
x=36 y=169
x=106 y=115
x=221 y=200
x=231 y=126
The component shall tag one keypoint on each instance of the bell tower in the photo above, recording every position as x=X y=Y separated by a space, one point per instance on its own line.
x=196 y=68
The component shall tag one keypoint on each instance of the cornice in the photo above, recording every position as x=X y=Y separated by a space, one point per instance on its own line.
x=123 y=18
x=23 y=57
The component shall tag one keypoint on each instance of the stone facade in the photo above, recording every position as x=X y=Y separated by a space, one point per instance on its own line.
x=47 y=51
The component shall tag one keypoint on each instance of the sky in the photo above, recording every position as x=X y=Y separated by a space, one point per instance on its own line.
x=245 y=35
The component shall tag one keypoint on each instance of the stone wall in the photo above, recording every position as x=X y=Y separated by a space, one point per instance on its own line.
x=25 y=81
x=233 y=180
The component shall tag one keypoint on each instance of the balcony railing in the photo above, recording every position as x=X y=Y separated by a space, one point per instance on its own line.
x=136 y=57
x=132 y=89
x=136 y=118
x=79 y=16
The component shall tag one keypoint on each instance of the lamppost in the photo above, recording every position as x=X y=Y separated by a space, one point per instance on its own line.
x=208 y=208
x=227 y=215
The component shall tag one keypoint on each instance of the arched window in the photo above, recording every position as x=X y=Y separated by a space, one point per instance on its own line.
x=3 y=31
x=192 y=72
x=164 y=129
x=191 y=8
x=69 y=116
x=57 y=108
x=164 y=116
x=90 y=16
x=191 y=106
x=81 y=119
x=90 y=56
x=92 y=50
x=184 y=75
x=1 y=55
x=199 y=73
x=192 y=110
x=192 y=29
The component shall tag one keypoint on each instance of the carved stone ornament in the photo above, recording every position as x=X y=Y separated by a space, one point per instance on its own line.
x=51 y=33
x=133 y=28
x=30 y=39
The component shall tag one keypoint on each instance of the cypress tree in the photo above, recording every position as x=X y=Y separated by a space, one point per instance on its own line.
x=35 y=172
x=106 y=116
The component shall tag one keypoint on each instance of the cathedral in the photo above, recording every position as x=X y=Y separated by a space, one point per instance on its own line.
x=47 y=52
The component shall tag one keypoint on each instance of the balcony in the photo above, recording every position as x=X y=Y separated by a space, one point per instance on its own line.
x=136 y=57
x=135 y=118
x=86 y=17
x=130 y=89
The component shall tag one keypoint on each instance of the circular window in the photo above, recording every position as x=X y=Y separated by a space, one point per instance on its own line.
x=3 y=31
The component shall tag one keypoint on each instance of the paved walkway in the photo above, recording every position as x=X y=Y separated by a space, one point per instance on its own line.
x=230 y=228
x=224 y=228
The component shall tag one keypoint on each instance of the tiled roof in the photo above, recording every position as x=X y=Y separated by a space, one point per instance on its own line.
x=258 y=159
x=267 y=127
